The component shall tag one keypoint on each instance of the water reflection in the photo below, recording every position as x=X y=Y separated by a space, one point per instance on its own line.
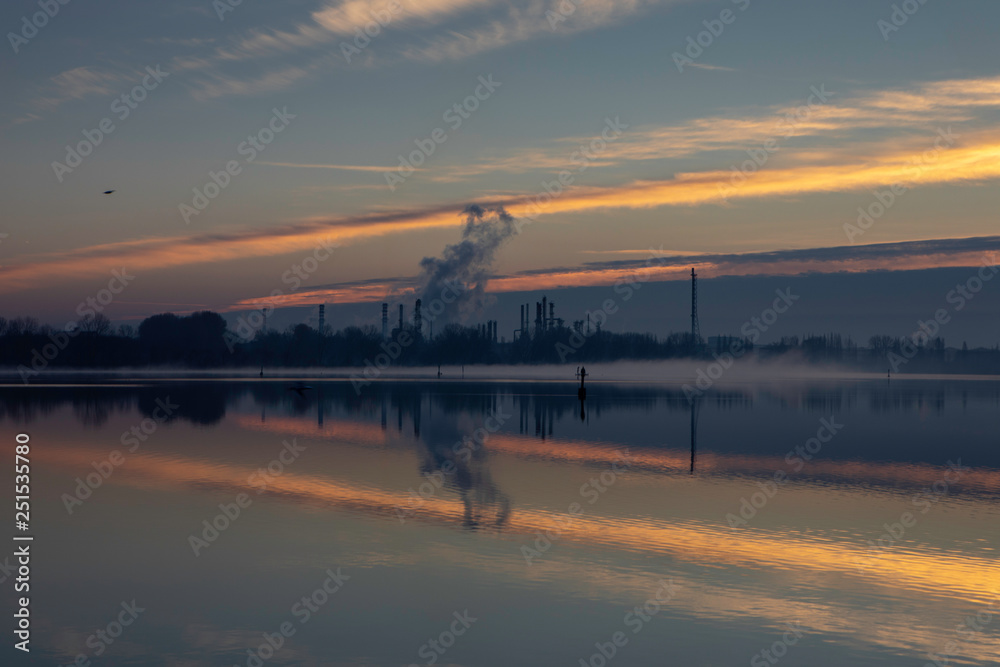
x=445 y=482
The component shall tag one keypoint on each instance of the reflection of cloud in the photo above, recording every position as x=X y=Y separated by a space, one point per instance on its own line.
x=868 y=475
x=915 y=573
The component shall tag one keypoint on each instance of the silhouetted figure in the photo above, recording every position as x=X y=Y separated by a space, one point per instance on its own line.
x=582 y=391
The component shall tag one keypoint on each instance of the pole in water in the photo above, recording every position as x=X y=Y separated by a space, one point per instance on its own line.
x=581 y=393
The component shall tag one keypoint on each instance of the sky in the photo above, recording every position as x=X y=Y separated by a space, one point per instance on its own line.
x=265 y=147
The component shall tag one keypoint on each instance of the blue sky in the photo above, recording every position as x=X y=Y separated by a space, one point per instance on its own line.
x=323 y=177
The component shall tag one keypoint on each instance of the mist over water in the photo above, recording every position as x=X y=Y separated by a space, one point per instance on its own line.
x=665 y=371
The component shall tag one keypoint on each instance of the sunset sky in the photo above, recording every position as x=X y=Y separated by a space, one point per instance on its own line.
x=838 y=102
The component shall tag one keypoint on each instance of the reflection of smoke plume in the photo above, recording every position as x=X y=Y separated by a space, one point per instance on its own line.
x=453 y=286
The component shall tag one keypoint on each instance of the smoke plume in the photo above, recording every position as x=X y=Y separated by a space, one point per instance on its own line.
x=453 y=286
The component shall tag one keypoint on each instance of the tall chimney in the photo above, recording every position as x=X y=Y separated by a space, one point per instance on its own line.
x=385 y=321
x=538 y=316
x=417 y=321
x=520 y=325
x=552 y=315
x=400 y=317
x=545 y=313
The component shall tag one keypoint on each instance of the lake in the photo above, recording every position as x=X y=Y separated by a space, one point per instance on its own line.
x=487 y=522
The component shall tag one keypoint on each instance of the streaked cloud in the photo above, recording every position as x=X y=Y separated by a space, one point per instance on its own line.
x=823 y=132
x=341 y=167
x=75 y=84
x=422 y=30
x=657 y=265
x=979 y=161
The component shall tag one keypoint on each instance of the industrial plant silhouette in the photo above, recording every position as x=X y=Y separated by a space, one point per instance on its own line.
x=204 y=340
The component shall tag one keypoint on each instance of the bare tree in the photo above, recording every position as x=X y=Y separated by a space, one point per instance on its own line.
x=96 y=323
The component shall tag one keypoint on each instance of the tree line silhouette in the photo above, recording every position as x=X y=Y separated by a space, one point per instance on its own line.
x=203 y=340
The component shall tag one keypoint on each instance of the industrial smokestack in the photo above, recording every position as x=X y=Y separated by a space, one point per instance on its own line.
x=552 y=315
x=545 y=313
x=495 y=327
x=520 y=325
x=385 y=321
x=400 y=317
x=695 y=328
x=417 y=321
x=538 y=316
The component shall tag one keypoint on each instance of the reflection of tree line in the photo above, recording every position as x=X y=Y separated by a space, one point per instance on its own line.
x=538 y=406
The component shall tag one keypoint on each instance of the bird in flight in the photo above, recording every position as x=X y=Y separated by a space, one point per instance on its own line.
x=107 y=192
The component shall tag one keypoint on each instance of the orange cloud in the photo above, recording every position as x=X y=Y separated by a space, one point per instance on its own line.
x=977 y=161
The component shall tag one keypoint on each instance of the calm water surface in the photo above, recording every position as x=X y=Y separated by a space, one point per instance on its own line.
x=504 y=523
